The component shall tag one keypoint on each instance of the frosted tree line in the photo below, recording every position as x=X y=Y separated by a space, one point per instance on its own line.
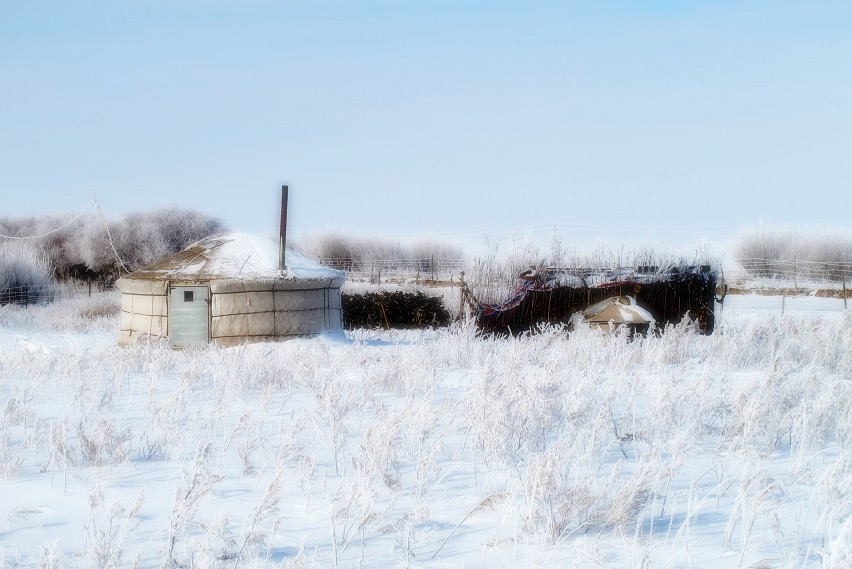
x=36 y=252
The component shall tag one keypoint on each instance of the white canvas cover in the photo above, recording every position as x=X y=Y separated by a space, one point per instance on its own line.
x=143 y=309
x=611 y=313
x=250 y=298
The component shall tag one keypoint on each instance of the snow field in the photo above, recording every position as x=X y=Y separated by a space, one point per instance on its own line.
x=434 y=449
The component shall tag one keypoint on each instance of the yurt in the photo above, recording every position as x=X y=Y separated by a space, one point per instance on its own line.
x=229 y=290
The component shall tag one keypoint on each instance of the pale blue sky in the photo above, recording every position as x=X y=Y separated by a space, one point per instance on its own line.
x=667 y=120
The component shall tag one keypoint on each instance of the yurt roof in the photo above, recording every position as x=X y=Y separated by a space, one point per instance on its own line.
x=235 y=256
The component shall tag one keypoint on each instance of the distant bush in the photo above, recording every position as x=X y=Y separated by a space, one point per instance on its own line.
x=349 y=253
x=58 y=245
x=387 y=309
x=772 y=251
x=176 y=227
x=333 y=247
x=81 y=248
x=24 y=275
x=763 y=246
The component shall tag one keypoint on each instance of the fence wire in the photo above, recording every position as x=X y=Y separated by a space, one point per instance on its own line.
x=433 y=268
x=40 y=294
x=28 y=294
x=796 y=271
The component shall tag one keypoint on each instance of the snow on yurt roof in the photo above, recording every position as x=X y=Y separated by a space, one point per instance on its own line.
x=235 y=256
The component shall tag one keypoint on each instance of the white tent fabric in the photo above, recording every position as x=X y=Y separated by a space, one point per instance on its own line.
x=247 y=297
x=611 y=313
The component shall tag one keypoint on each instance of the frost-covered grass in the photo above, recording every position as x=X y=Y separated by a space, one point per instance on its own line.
x=437 y=449
x=72 y=312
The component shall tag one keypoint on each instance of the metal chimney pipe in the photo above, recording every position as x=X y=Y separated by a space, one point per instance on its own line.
x=282 y=240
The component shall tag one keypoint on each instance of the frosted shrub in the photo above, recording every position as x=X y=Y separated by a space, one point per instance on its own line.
x=265 y=508
x=51 y=556
x=353 y=253
x=827 y=249
x=352 y=514
x=513 y=414
x=377 y=458
x=9 y=460
x=433 y=249
x=198 y=483
x=24 y=274
x=178 y=227
x=836 y=518
x=59 y=241
x=94 y=249
x=334 y=404
x=773 y=251
x=564 y=496
x=144 y=237
x=60 y=453
x=491 y=277
x=558 y=497
x=104 y=443
x=334 y=247
x=636 y=490
x=107 y=529
x=763 y=245
x=81 y=248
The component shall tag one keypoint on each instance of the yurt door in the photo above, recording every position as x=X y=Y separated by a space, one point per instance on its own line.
x=189 y=315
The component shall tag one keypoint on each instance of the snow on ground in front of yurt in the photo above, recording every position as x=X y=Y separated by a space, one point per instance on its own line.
x=430 y=449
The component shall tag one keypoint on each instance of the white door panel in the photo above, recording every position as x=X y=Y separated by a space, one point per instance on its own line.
x=189 y=315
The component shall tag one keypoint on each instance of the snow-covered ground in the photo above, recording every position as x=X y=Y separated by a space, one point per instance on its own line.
x=430 y=449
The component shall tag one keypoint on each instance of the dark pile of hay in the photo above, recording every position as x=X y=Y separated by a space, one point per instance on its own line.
x=403 y=310
x=687 y=291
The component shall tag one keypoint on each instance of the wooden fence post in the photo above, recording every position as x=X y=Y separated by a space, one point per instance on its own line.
x=795 y=275
x=844 y=291
x=462 y=287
